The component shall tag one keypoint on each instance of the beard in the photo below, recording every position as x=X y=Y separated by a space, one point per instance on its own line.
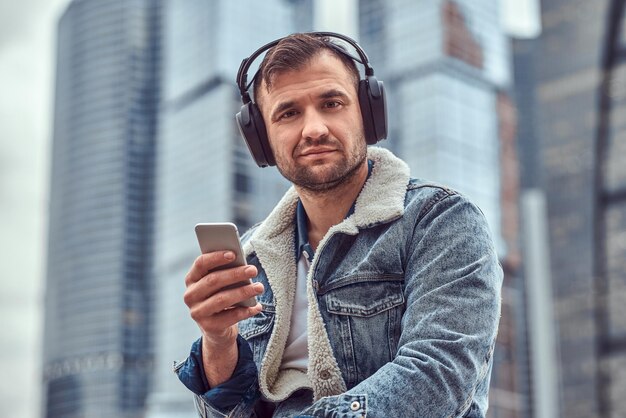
x=315 y=178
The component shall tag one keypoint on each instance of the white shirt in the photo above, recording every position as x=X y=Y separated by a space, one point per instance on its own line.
x=296 y=355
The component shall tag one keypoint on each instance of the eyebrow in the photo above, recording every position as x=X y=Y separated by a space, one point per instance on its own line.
x=328 y=94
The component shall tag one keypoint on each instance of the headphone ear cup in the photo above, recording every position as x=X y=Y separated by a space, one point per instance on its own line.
x=252 y=129
x=373 y=109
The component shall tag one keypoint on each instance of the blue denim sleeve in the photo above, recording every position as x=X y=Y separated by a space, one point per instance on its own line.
x=226 y=396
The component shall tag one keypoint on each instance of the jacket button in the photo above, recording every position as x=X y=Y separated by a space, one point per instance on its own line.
x=355 y=405
x=324 y=375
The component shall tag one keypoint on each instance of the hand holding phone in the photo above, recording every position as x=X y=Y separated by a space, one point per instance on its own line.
x=219 y=237
x=217 y=311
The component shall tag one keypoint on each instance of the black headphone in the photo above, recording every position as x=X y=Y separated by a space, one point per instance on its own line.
x=371 y=100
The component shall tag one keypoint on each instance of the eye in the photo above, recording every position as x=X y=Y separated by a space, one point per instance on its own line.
x=332 y=104
x=288 y=114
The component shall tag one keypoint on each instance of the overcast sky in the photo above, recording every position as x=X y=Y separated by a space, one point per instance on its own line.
x=27 y=41
x=27 y=30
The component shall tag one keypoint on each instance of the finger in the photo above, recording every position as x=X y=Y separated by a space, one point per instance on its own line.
x=217 y=324
x=207 y=262
x=216 y=281
x=224 y=299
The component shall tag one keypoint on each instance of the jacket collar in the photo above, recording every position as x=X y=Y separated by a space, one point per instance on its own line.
x=381 y=199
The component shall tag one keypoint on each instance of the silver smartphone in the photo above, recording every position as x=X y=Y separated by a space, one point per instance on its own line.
x=219 y=237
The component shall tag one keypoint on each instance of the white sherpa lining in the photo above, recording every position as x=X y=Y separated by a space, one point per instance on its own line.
x=380 y=200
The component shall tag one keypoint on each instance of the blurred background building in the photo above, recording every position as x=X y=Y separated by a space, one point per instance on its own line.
x=540 y=392
x=98 y=305
x=567 y=59
x=581 y=123
x=204 y=171
x=145 y=146
x=447 y=69
x=610 y=215
x=443 y=63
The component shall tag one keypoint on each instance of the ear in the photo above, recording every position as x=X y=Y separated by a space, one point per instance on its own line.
x=252 y=129
x=373 y=109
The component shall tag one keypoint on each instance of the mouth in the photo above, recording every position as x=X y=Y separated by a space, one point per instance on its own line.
x=316 y=152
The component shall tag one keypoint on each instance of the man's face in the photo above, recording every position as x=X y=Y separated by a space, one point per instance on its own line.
x=314 y=124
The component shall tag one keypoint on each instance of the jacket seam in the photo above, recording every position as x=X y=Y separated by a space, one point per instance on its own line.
x=468 y=402
x=438 y=197
x=360 y=278
x=415 y=186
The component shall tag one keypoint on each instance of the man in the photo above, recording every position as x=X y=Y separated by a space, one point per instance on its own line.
x=378 y=294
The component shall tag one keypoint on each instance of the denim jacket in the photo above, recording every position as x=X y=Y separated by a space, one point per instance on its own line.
x=404 y=303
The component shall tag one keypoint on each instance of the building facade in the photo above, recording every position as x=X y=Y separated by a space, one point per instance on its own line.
x=610 y=215
x=97 y=343
x=537 y=373
x=446 y=67
x=567 y=74
x=205 y=173
x=443 y=63
x=581 y=91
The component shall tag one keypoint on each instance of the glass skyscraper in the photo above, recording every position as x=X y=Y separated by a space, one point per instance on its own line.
x=581 y=119
x=446 y=67
x=205 y=173
x=97 y=343
x=610 y=215
x=443 y=63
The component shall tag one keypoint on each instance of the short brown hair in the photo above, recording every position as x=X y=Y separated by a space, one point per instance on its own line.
x=296 y=50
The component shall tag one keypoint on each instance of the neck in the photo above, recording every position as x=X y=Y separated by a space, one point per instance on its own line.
x=329 y=207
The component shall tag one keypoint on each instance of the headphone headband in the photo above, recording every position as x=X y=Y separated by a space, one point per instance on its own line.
x=242 y=74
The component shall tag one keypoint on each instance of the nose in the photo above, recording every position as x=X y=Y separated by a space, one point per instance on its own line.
x=314 y=127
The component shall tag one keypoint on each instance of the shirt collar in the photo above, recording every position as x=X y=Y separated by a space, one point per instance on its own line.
x=302 y=231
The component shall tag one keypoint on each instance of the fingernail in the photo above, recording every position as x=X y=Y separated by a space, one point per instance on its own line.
x=258 y=287
x=250 y=270
x=228 y=255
